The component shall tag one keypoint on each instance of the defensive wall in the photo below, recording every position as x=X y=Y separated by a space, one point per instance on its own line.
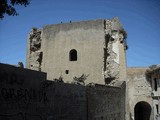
x=27 y=95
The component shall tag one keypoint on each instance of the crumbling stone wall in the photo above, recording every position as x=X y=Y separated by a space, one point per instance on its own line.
x=34 y=52
x=114 y=35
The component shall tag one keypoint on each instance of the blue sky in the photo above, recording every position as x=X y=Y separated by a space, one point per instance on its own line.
x=140 y=18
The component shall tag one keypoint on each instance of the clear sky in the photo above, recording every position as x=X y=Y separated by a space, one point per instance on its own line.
x=140 y=18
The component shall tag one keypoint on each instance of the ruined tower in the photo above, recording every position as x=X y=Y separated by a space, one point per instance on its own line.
x=94 y=49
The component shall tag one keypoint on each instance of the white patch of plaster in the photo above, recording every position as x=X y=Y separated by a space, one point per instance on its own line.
x=115 y=49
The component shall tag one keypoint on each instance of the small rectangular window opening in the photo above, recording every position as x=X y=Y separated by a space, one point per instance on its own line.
x=155 y=84
x=67 y=71
x=157 y=108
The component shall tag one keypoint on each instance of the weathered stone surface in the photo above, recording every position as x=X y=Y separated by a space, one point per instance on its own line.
x=139 y=89
x=34 y=53
x=106 y=103
x=97 y=55
x=35 y=39
x=27 y=95
x=153 y=77
x=114 y=38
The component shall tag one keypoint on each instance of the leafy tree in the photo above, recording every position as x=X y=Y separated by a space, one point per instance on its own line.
x=7 y=7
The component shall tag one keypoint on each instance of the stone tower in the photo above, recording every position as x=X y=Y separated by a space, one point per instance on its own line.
x=93 y=50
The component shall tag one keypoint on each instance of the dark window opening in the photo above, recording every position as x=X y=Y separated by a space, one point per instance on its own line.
x=157 y=108
x=73 y=55
x=155 y=84
x=67 y=71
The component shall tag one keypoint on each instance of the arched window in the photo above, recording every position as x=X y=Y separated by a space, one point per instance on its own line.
x=73 y=55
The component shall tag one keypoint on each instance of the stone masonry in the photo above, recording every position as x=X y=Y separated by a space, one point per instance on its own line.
x=99 y=45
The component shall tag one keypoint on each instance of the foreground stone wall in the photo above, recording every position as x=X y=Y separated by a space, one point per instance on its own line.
x=27 y=95
x=106 y=103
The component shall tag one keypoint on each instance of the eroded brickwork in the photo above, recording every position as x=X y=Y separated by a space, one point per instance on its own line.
x=35 y=53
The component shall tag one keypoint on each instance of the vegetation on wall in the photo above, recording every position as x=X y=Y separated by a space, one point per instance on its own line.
x=81 y=79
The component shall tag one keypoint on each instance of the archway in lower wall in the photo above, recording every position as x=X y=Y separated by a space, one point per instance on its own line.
x=142 y=111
